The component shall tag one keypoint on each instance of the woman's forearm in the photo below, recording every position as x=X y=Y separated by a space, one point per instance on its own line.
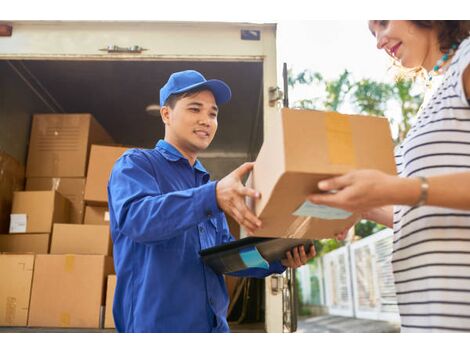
x=448 y=191
x=381 y=215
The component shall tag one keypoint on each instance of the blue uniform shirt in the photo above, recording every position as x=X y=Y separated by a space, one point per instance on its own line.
x=162 y=213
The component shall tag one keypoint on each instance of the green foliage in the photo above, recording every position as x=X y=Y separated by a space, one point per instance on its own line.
x=366 y=228
x=371 y=97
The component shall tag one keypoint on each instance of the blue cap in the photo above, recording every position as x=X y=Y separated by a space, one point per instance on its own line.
x=184 y=81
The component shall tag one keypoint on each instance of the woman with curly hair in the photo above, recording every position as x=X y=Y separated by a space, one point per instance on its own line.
x=428 y=203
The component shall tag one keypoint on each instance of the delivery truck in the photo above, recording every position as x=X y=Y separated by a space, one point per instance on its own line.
x=114 y=70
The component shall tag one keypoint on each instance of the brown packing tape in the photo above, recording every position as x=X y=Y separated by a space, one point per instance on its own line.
x=293 y=228
x=64 y=319
x=69 y=263
x=303 y=228
x=10 y=311
x=339 y=139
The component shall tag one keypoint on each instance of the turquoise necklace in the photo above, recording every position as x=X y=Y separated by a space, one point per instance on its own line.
x=438 y=67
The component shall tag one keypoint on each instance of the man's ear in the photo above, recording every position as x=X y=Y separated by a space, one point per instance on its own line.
x=165 y=114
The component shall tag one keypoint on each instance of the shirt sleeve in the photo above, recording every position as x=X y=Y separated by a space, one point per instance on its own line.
x=143 y=213
x=274 y=267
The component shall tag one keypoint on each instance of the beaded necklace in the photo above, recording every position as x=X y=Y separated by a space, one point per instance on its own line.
x=439 y=66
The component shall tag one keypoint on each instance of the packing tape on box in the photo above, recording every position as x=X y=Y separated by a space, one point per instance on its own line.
x=64 y=319
x=69 y=263
x=252 y=258
x=10 y=310
x=339 y=139
x=296 y=224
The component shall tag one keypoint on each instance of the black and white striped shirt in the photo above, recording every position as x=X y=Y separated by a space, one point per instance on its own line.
x=431 y=252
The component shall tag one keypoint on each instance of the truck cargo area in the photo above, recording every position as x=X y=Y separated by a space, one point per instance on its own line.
x=117 y=92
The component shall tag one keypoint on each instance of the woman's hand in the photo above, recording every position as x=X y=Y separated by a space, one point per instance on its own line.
x=362 y=190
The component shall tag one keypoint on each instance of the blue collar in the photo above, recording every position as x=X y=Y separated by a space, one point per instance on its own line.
x=172 y=154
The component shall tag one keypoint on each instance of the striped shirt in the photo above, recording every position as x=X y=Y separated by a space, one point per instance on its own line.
x=431 y=251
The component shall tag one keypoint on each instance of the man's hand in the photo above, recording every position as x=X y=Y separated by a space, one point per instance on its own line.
x=231 y=193
x=297 y=257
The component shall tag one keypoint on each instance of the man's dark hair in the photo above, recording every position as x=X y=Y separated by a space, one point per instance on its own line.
x=174 y=98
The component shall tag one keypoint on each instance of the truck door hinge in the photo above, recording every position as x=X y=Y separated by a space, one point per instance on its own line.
x=277 y=284
x=275 y=95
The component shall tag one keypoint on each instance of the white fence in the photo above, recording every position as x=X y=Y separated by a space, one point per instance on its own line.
x=355 y=280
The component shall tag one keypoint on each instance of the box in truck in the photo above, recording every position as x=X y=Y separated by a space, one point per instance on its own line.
x=72 y=188
x=60 y=144
x=37 y=211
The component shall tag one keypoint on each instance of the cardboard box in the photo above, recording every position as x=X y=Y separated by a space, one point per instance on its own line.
x=72 y=188
x=37 y=243
x=108 y=316
x=304 y=147
x=68 y=290
x=96 y=215
x=11 y=180
x=36 y=211
x=102 y=159
x=81 y=239
x=60 y=143
x=16 y=273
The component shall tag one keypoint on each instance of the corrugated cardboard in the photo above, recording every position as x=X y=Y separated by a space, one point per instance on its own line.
x=68 y=290
x=11 y=180
x=108 y=316
x=96 y=215
x=16 y=273
x=42 y=209
x=81 y=239
x=102 y=159
x=60 y=143
x=72 y=188
x=37 y=243
x=304 y=147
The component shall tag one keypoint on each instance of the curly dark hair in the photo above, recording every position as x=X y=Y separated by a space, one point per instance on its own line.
x=449 y=32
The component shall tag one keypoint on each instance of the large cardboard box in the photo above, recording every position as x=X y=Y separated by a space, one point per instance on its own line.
x=303 y=147
x=81 y=239
x=108 y=316
x=16 y=273
x=11 y=180
x=37 y=243
x=102 y=159
x=59 y=144
x=36 y=211
x=96 y=215
x=72 y=188
x=68 y=290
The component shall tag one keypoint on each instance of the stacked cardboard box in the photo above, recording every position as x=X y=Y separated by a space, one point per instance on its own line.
x=69 y=290
x=16 y=273
x=102 y=160
x=108 y=316
x=11 y=180
x=69 y=283
x=96 y=215
x=72 y=188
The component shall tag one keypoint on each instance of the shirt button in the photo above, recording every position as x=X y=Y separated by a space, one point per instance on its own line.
x=208 y=213
x=201 y=228
x=211 y=301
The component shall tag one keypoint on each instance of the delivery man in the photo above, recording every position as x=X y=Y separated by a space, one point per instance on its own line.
x=164 y=210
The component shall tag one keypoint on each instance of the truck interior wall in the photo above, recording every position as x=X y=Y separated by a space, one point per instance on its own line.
x=18 y=102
